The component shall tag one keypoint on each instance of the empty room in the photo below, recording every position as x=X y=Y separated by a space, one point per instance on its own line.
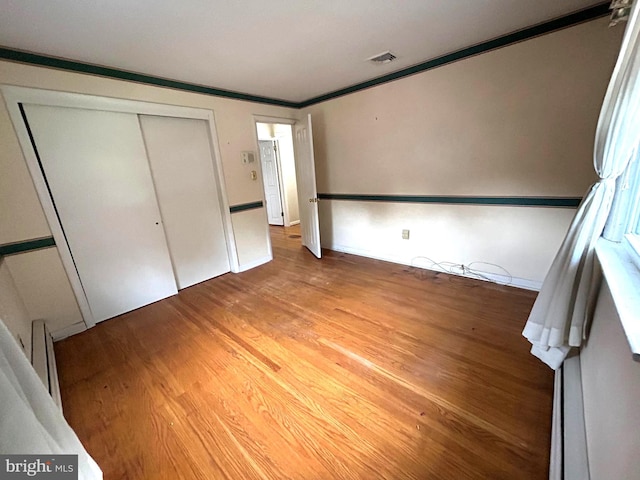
x=320 y=240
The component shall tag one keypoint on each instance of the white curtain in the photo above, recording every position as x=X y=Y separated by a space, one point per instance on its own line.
x=30 y=421
x=558 y=317
x=625 y=210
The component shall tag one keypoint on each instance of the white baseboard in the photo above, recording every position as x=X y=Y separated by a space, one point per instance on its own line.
x=556 y=457
x=43 y=359
x=515 y=281
x=295 y=222
x=518 y=282
x=68 y=331
x=256 y=263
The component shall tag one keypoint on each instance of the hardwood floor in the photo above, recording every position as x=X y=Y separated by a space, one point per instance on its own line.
x=344 y=367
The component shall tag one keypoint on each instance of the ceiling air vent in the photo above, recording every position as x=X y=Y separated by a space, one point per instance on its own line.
x=385 y=57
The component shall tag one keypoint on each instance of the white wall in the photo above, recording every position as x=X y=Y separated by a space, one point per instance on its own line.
x=611 y=389
x=251 y=242
x=45 y=288
x=22 y=218
x=518 y=121
x=12 y=310
x=459 y=233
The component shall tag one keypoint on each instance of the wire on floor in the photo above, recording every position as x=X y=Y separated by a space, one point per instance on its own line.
x=461 y=269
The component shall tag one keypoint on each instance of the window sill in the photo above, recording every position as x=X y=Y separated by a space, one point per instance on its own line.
x=623 y=277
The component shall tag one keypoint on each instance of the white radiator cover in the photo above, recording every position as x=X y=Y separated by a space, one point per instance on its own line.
x=43 y=359
x=569 y=460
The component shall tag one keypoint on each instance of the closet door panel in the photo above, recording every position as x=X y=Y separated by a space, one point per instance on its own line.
x=97 y=170
x=183 y=173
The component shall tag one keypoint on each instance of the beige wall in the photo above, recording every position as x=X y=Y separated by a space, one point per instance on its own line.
x=45 y=288
x=611 y=389
x=22 y=218
x=12 y=310
x=518 y=121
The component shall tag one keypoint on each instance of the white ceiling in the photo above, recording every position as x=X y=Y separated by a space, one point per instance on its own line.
x=285 y=49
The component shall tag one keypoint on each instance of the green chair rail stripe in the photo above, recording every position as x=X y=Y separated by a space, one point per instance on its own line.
x=561 y=202
x=26 y=246
x=537 y=30
x=509 y=39
x=70 y=65
x=245 y=206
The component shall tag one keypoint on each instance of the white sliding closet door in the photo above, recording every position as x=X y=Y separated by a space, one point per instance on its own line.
x=96 y=167
x=183 y=173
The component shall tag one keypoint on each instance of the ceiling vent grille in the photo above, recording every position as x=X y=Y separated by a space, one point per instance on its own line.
x=385 y=57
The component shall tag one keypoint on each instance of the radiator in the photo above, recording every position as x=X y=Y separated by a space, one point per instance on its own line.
x=43 y=359
x=569 y=459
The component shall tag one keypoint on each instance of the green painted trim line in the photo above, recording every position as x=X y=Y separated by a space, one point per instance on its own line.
x=26 y=246
x=245 y=206
x=570 y=20
x=558 y=202
x=73 y=66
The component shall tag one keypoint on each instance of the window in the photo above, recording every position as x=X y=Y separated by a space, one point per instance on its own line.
x=624 y=220
x=632 y=210
x=621 y=261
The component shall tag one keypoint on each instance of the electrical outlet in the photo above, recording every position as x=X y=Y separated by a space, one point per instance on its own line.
x=405 y=234
x=248 y=157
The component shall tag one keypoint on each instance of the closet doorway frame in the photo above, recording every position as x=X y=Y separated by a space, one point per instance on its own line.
x=14 y=96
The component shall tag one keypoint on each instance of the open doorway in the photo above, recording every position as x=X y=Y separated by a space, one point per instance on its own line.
x=275 y=141
x=293 y=166
x=277 y=161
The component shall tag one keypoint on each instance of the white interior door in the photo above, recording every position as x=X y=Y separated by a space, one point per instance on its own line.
x=271 y=182
x=307 y=191
x=96 y=167
x=182 y=167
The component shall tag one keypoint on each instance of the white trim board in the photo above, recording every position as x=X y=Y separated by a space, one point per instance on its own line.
x=14 y=96
x=43 y=360
x=68 y=331
x=501 y=279
x=556 y=455
x=569 y=456
x=575 y=459
x=268 y=119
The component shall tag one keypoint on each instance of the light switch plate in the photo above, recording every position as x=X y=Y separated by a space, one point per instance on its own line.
x=405 y=234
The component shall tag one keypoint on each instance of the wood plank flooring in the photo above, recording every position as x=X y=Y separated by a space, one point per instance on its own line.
x=340 y=368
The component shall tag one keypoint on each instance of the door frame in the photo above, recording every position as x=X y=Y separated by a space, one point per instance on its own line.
x=268 y=119
x=14 y=96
